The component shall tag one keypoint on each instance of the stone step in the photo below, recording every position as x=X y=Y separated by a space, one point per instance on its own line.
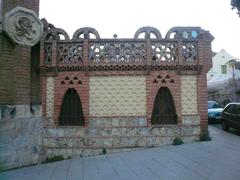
x=110 y=142
x=70 y=147
x=170 y=130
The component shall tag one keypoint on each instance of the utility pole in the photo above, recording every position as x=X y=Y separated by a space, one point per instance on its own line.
x=232 y=64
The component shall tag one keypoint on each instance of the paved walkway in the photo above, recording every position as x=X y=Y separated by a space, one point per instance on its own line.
x=218 y=159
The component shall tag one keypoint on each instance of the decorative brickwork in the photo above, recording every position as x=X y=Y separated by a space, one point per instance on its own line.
x=50 y=97
x=164 y=52
x=69 y=54
x=189 y=52
x=148 y=31
x=76 y=80
x=155 y=81
x=189 y=95
x=116 y=82
x=117 y=96
x=23 y=26
x=84 y=33
x=117 y=52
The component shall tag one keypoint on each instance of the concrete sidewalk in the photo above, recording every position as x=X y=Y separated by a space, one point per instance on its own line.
x=217 y=159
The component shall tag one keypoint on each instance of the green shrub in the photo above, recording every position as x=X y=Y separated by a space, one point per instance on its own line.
x=104 y=151
x=69 y=157
x=177 y=141
x=1 y=167
x=54 y=158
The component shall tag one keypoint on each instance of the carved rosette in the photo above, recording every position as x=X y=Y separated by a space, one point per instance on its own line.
x=23 y=26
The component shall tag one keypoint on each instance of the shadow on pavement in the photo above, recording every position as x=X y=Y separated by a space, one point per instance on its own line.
x=231 y=130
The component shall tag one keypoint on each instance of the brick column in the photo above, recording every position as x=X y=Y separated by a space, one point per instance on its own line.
x=85 y=86
x=54 y=54
x=149 y=54
x=15 y=65
x=205 y=59
x=22 y=73
x=29 y=4
x=149 y=85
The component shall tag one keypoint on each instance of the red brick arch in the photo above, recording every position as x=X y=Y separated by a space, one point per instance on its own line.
x=154 y=83
x=80 y=84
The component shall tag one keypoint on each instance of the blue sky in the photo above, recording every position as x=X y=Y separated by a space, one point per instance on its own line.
x=126 y=16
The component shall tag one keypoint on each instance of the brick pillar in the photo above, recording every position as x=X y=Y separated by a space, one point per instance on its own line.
x=205 y=59
x=7 y=85
x=149 y=80
x=7 y=5
x=85 y=87
x=15 y=61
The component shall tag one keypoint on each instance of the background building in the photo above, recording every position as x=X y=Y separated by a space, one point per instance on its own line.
x=219 y=64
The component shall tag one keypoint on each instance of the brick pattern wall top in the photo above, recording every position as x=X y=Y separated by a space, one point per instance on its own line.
x=50 y=96
x=118 y=96
x=189 y=95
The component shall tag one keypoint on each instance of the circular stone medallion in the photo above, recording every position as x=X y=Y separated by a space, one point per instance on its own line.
x=23 y=26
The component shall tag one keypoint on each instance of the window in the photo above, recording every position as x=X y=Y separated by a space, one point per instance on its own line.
x=164 y=111
x=213 y=104
x=223 y=69
x=71 y=109
x=229 y=108
x=236 y=109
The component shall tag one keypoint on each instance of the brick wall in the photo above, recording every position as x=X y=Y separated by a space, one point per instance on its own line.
x=7 y=85
x=205 y=58
x=19 y=78
x=35 y=75
x=80 y=83
x=156 y=80
x=29 y=4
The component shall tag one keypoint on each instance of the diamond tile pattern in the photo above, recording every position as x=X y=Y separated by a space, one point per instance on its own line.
x=118 y=96
x=50 y=97
x=189 y=95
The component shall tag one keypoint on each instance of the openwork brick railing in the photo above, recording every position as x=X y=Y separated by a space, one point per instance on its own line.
x=179 y=48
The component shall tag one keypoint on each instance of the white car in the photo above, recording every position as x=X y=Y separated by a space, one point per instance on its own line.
x=214 y=112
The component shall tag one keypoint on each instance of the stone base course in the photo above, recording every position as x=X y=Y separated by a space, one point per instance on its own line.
x=85 y=141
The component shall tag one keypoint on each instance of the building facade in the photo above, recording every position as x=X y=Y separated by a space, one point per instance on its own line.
x=83 y=96
x=220 y=64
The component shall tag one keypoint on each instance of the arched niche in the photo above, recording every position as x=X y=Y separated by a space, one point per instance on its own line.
x=71 y=113
x=164 y=111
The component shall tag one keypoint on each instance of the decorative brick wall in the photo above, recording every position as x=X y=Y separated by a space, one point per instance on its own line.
x=155 y=81
x=189 y=95
x=50 y=97
x=65 y=80
x=117 y=81
x=117 y=96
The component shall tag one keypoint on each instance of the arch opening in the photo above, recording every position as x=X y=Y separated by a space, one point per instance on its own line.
x=164 y=111
x=71 y=113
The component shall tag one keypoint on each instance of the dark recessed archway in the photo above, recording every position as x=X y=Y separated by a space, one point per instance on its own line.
x=71 y=109
x=164 y=111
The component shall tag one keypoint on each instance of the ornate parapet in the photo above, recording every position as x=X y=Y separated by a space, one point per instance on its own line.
x=179 y=50
x=23 y=26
